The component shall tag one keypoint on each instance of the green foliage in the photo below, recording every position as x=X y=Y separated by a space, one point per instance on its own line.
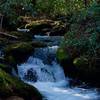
x=22 y=35
x=60 y=7
x=94 y=11
x=51 y=6
x=11 y=6
x=83 y=33
x=12 y=9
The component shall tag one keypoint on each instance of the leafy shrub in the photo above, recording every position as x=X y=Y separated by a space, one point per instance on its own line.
x=83 y=34
x=59 y=7
x=12 y=9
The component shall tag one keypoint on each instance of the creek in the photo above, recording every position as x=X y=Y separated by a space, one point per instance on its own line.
x=43 y=71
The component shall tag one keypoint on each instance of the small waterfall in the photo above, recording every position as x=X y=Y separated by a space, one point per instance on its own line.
x=42 y=71
x=42 y=67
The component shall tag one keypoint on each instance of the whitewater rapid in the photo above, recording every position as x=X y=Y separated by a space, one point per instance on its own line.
x=48 y=77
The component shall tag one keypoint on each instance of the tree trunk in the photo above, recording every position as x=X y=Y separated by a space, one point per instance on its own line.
x=86 y=3
x=1 y=22
x=2 y=34
x=33 y=2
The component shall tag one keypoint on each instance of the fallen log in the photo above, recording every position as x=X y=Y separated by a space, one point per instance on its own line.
x=2 y=34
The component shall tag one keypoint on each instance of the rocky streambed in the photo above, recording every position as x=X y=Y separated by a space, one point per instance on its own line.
x=15 y=48
x=20 y=74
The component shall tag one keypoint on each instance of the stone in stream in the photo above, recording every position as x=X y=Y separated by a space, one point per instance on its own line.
x=31 y=75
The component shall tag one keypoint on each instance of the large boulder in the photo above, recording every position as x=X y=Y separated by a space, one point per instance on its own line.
x=46 y=27
x=23 y=36
x=5 y=67
x=66 y=61
x=82 y=66
x=10 y=86
x=13 y=37
x=86 y=70
x=18 y=52
x=31 y=75
x=3 y=41
x=81 y=62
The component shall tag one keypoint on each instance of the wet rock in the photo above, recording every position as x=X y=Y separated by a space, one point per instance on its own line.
x=18 y=52
x=31 y=75
x=46 y=27
x=22 y=36
x=3 y=41
x=5 y=67
x=81 y=63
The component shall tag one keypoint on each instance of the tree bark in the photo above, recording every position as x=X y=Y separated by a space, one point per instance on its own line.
x=33 y=2
x=2 y=34
x=86 y=3
x=1 y=22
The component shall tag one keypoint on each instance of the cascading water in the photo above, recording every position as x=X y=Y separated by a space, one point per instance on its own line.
x=42 y=71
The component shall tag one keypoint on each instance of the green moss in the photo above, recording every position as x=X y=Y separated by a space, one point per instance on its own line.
x=62 y=54
x=21 y=47
x=10 y=86
x=81 y=63
x=18 y=52
x=2 y=66
x=33 y=24
x=10 y=59
x=38 y=26
x=3 y=41
x=22 y=35
x=5 y=68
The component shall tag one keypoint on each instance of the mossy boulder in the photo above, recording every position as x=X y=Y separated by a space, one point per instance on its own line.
x=10 y=86
x=46 y=27
x=18 y=52
x=65 y=61
x=5 y=67
x=82 y=66
x=23 y=36
x=81 y=63
x=37 y=26
x=3 y=41
x=62 y=54
x=87 y=70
